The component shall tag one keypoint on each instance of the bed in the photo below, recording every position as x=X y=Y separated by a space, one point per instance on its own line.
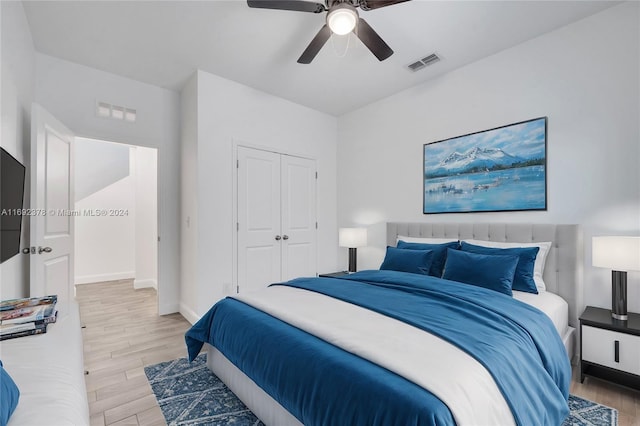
x=392 y=347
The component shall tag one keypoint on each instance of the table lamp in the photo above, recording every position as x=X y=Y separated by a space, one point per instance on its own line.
x=620 y=254
x=352 y=238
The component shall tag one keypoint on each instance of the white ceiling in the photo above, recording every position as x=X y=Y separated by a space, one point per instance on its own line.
x=163 y=42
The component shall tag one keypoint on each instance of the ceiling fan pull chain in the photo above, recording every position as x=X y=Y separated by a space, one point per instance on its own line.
x=335 y=48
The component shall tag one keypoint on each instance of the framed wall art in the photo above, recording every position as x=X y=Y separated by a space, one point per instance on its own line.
x=500 y=169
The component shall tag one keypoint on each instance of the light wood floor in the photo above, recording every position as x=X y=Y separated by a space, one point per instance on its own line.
x=124 y=333
x=625 y=400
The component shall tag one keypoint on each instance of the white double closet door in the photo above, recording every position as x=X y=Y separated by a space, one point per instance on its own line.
x=276 y=218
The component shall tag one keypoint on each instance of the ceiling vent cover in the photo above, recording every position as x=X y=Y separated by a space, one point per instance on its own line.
x=424 y=62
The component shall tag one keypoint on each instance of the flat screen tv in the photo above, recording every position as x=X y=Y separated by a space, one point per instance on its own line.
x=11 y=199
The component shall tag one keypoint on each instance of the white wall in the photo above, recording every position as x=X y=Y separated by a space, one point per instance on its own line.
x=98 y=164
x=17 y=92
x=105 y=246
x=584 y=77
x=69 y=91
x=229 y=112
x=104 y=180
x=146 y=220
x=189 y=200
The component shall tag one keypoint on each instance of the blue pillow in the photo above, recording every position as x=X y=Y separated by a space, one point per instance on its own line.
x=9 y=395
x=523 y=278
x=484 y=270
x=439 y=253
x=414 y=261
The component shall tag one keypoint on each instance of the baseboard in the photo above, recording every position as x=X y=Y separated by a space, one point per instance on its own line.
x=167 y=309
x=89 y=279
x=138 y=284
x=188 y=314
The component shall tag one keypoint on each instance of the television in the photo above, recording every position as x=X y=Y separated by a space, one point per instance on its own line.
x=11 y=202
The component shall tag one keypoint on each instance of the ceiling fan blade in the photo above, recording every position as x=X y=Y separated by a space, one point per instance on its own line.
x=377 y=4
x=316 y=44
x=372 y=40
x=295 y=5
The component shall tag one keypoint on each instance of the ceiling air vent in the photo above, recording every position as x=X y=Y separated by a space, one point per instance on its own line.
x=426 y=61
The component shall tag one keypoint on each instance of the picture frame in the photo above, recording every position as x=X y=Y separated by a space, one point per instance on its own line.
x=495 y=170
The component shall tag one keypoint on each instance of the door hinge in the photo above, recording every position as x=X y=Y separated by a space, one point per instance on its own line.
x=237 y=226
x=158 y=238
x=237 y=164
x=238 y=289
x=316 y=225
x=316 y=175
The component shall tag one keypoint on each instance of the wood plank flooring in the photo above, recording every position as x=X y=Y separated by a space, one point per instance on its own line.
x=124 y=333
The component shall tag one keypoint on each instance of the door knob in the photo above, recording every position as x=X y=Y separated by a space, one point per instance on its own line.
x=44 y=249
x=278 y=237
x=285 y=237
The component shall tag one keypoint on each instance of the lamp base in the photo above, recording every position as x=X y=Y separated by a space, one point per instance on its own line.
x=619 y=295
x=353 y=259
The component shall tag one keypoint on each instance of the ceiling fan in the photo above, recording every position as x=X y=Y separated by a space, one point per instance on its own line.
x=342 y=18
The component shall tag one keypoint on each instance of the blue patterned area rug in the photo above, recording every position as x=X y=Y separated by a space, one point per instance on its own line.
x=190 y=394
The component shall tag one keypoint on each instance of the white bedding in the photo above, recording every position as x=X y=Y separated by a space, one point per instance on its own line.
x=49 y=372
x=468 y=390
x=551 y=304
x=557 y=309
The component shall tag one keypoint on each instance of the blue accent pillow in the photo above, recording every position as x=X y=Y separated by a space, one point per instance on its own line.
x=414 y=261
x=490 y=271
x=9 y=395
x=439 y=253
x=523 y=278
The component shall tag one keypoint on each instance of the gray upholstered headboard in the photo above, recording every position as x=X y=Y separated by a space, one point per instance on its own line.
x=563 y=269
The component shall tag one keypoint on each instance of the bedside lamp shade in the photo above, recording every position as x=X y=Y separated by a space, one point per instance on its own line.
x=352 y=238
x=620 y=254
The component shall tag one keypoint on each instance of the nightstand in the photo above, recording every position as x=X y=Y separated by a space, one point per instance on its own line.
x=610 y=348
x=335 y=274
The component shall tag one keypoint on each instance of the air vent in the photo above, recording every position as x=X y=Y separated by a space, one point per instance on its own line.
x=424 y=62
x=106 y=110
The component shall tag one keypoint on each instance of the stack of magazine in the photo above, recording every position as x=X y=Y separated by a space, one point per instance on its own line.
x=28 y=316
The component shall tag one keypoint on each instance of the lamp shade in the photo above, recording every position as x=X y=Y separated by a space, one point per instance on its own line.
x=352 y=237
x=616 y=253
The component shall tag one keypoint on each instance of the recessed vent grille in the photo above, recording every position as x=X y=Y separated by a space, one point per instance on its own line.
x=424 y=62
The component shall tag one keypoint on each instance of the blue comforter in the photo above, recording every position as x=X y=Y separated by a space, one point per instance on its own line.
x=321 y=384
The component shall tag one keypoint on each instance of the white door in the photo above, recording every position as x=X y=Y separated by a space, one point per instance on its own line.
x=276 y=218
x=298 y=200
x=259 y=237
x=52 y=203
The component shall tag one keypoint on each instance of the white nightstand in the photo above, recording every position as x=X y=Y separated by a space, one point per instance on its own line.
x=610 y=348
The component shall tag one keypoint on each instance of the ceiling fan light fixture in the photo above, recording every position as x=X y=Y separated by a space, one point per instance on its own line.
x=342 y=19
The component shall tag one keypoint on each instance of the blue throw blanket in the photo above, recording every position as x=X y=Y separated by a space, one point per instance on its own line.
x=517 y=344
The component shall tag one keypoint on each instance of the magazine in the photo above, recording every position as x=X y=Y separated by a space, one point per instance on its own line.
x=16 y=328
x=36 y=328
x=7 y=305
x=20 y=311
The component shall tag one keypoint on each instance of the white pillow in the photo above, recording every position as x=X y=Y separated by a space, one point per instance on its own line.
x=425 y=240
x=541 y=257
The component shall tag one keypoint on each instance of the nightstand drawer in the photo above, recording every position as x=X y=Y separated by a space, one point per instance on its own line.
x=599 y=346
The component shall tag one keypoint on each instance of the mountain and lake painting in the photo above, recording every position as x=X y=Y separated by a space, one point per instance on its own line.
x=502 y=169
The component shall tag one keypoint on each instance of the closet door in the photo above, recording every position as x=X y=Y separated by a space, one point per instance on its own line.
x=298 y=196
x=259 y=237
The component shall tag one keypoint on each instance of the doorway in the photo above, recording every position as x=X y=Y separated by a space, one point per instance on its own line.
x=116 y=213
